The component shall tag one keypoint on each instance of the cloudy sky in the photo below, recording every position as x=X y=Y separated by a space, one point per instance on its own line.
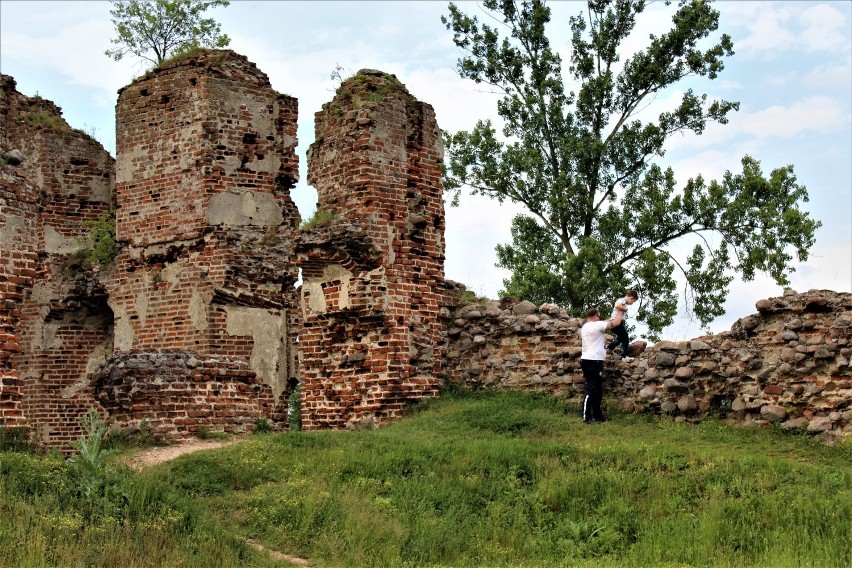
x=792 y=73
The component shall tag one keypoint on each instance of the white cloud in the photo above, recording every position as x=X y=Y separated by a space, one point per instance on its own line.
x=776 y=27
x=474 y=228
x=824 y=28
x=829 y=76
x=812 y=114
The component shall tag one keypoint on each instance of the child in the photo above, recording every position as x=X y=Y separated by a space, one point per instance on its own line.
x=621 y=337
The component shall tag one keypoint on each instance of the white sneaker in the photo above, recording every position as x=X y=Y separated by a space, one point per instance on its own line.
x=627 y=359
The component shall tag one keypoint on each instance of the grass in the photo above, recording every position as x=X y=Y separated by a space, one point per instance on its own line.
x=319 y=218
x=470 y=479
x=44 y=119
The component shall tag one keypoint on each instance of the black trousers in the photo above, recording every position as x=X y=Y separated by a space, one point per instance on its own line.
x=621 y=338
x=593 y=373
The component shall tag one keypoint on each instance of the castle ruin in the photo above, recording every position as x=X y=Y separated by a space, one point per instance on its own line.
x=200 y=322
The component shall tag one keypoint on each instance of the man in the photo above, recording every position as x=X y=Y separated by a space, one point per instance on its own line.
x=592 y=362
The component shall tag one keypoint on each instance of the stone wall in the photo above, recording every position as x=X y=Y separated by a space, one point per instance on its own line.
x=789 y=363
x=373 y=272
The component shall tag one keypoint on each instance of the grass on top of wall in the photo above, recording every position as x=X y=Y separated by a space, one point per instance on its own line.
x=470 y=479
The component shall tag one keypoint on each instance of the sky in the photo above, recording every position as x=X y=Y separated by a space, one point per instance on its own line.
x=791 y=73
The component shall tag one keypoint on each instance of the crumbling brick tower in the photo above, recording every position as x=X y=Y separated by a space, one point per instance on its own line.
x=204 y=289
x=373 y=274
x=55 y=324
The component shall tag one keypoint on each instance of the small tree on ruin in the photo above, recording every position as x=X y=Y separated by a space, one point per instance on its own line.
x=158 y=29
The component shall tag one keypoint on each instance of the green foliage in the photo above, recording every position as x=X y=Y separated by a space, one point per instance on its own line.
x=100 y=244
x=602 y=217
x=88 y=468
x=512 y=479
x=142 y=522
x=131 y=438
x=319 y=218
x=153 y=30
x=44 y=119
x=294 y=409
x=262 y=426
x=15 y=439
x=205 y=433
x=470 y=479
x=270 y=238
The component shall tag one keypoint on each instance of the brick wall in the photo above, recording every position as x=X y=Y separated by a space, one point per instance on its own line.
x=175 y=395
x=206 y=162
x=373 y=275
x=18 y=207
x=63 y=326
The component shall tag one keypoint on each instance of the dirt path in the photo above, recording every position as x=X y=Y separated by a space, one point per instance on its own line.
x=153 y=456
x=158 y=455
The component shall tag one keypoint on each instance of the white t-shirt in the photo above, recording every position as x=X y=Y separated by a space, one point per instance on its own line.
x=593 y=341
x=615 y=310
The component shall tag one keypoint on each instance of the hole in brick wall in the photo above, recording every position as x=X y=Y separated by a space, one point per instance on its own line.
x=79 y=161
x=249 y=138
x=259 y=156
x=144 y=92
x=391 y=217
x=193 y=81
x=436 y=222
x=164 y=99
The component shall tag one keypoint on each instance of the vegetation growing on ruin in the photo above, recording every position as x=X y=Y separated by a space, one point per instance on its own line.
x=43 y=119
x=470 y=479
x=157 y=29
x=100 y=245
x=319 y=218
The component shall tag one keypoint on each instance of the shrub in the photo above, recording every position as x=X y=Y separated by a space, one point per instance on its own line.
x=100 y=244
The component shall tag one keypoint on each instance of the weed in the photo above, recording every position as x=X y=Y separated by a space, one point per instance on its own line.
x=16 y=439
x=262 y=426
x=119 y=439
x=100 y=246
x=42 y=119
x=294 y=409
x=319 y=218
x=270 y=238
x=205 y=433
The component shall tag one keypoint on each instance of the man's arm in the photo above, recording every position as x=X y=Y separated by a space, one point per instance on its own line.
x=616 y=321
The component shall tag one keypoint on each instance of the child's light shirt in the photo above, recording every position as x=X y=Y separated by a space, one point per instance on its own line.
x=615 y=310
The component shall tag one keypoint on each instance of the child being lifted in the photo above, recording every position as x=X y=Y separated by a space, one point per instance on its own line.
x=621 y=336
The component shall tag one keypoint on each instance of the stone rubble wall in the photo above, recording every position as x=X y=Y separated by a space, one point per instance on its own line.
x=787 y=364
x=373 y=274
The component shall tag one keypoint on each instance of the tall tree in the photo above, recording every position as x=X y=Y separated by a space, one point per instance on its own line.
x=156 y=29
x=602 y=216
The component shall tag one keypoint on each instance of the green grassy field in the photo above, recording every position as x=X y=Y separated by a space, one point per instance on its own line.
x=470 y=479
